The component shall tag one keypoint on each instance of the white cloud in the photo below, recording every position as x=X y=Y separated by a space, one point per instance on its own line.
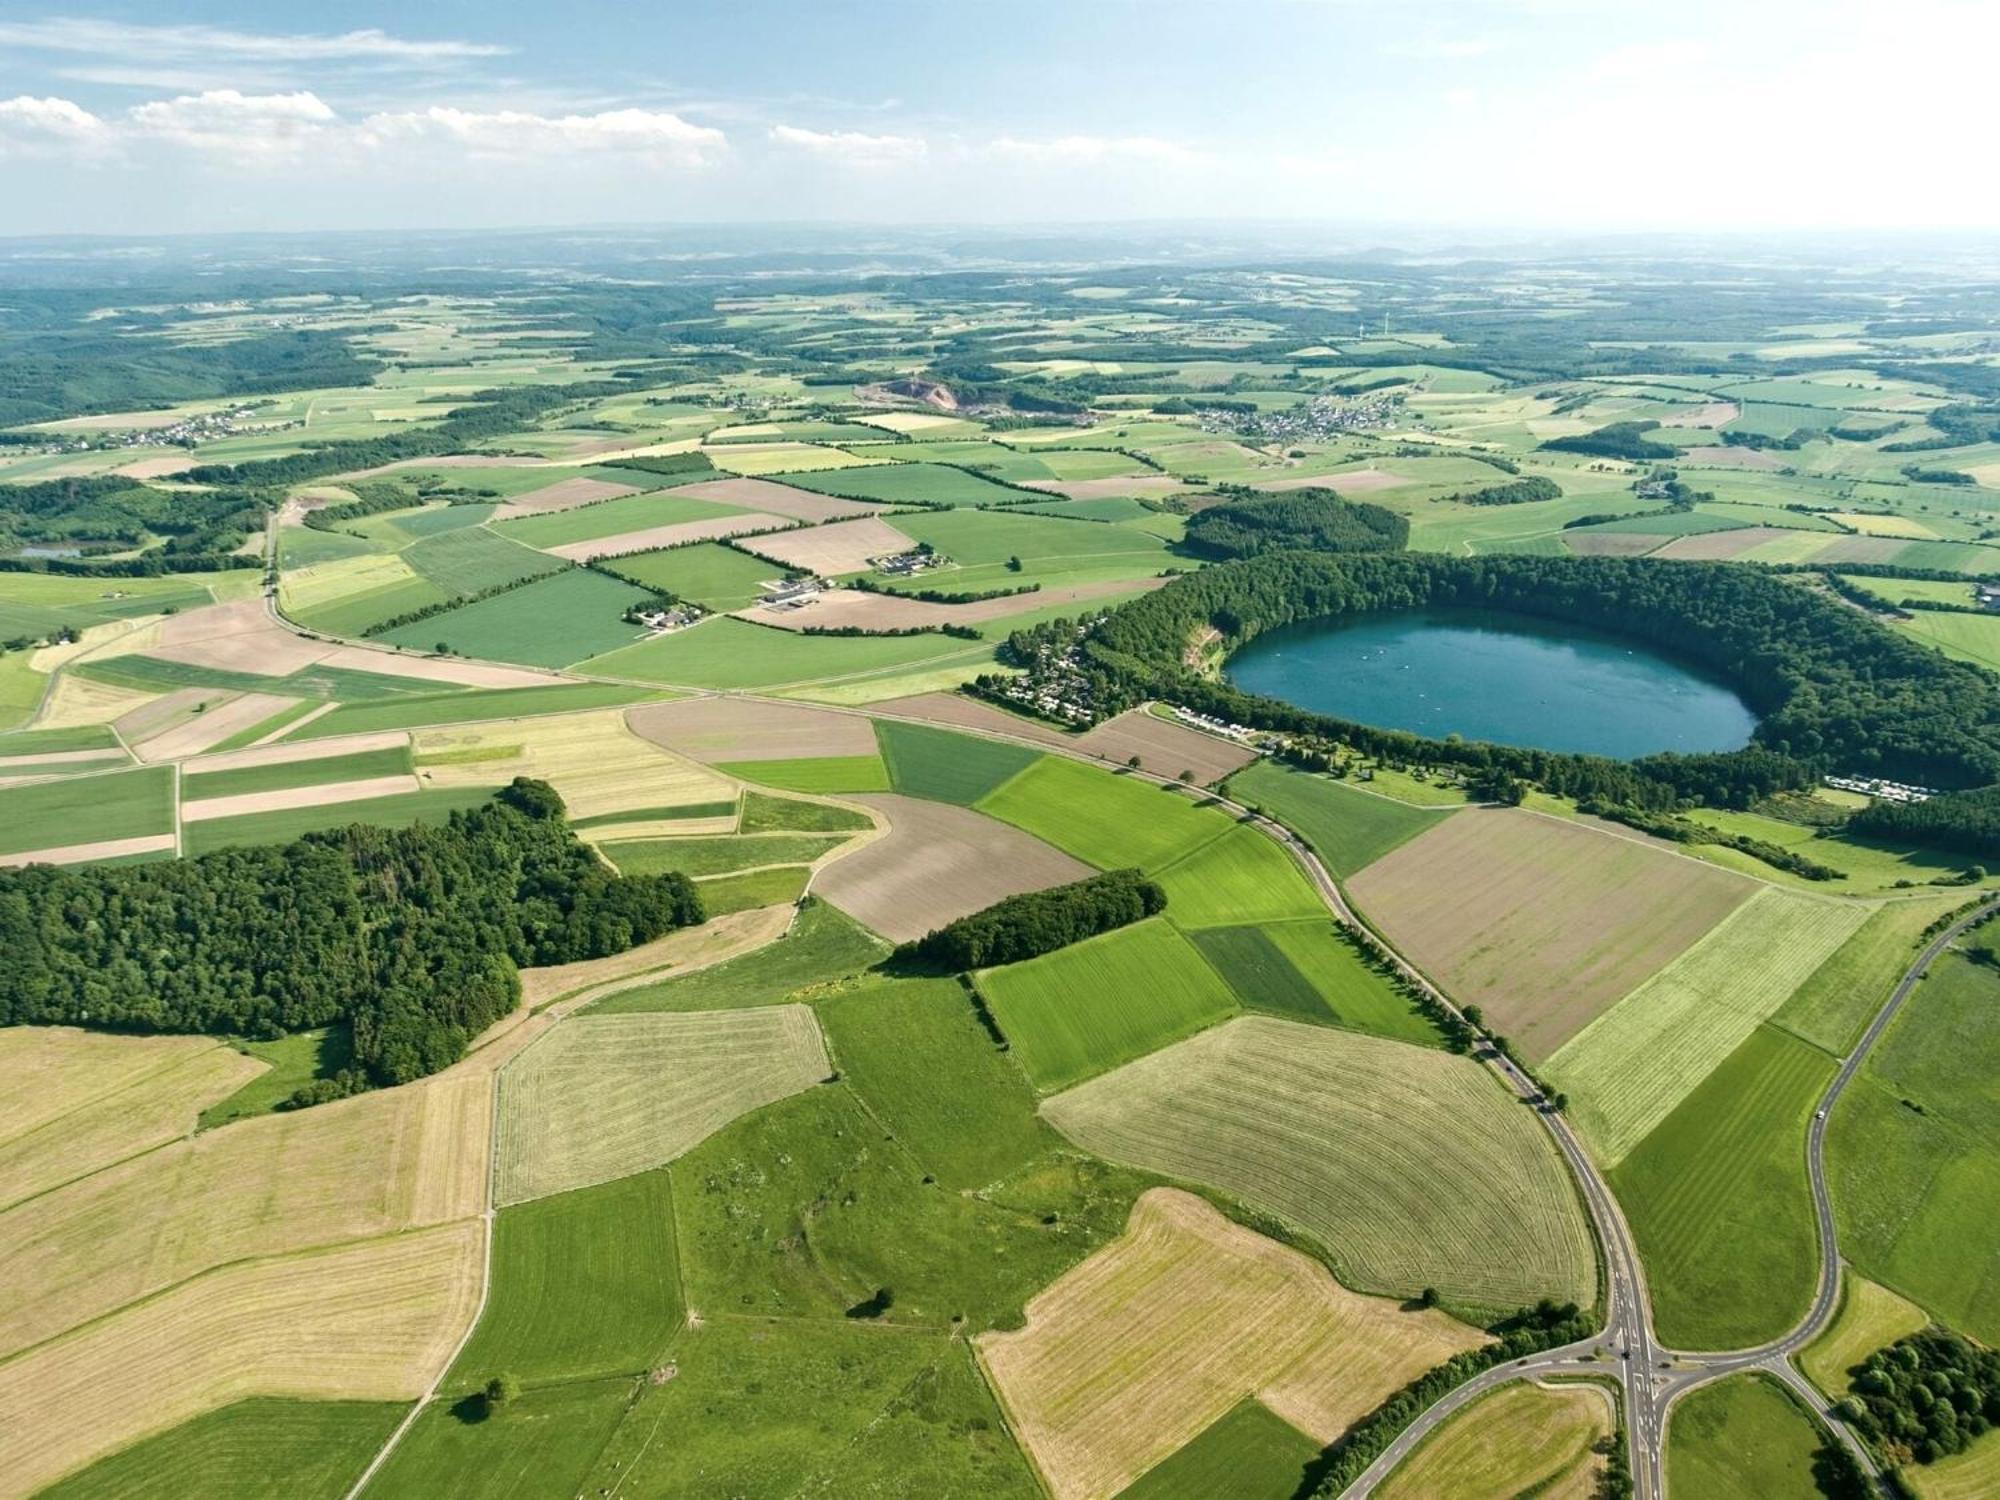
x=1093 y=150
x=1647 y=60
x=850 y=147
x=655 y=135
x=257 y=125
x=54 y=119
x=153 y=43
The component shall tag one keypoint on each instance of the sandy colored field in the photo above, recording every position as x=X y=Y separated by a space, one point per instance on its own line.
x=1720 y=546
x=689 y=948
x=780 y=499
x=1971 y=1475
x=1870 y=1317
x=160 y=711
x=938 y=863
x=606 y=1096
x=1164 y=747
x=565 y=494
x=1141 y=1347
x=50 y=1071
x=212 y=727
x=73 y=700
x=1541 y=922
x=374 y=1321
x=1878 y=525
x=1354 y=482
x=718 y=730
x=57 y=760
x=598 y=764
x=325 y=795
x=1714 y=414
x=1107 y=489
x=652 y=538
x=836 y=608
x=959 y=712
x=1409 y=1165
x=781 y=458
x=437 y=669
x=238 y=637
x=76 y=854
x=842 y=547
x=95 y=640
x=160 y=467
x=1611 y=543
x=380 y=1162
x=1628 y=1068
x=153 y=1097
x=306 y=750
x=1526 y=1438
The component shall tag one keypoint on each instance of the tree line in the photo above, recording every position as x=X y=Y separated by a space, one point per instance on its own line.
x=412 y=936
x=1037 y=922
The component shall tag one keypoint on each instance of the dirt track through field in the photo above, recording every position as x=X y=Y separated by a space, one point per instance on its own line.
x=194 y=735
x=938 y=863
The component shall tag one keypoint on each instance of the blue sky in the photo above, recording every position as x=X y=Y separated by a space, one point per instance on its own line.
x=1535 y=114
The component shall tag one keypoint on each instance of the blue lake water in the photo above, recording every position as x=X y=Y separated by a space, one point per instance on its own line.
x=1487 y=675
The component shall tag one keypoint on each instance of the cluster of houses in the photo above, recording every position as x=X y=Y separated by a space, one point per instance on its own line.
x=1888 y=791
x=662 y=619
x=1315 y=420
x=904 y=564
x=790 y=593
x=1241 y=733
x=184 y=432
x=1986 y=595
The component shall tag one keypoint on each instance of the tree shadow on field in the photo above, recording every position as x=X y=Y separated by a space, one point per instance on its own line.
x=472 y=1409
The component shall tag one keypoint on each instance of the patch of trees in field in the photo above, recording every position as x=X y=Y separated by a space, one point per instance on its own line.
x=105 y=513
x=1967 y=821
x=684 y=467
x=412 y=935
x=1038 y=922
x=1314 y=519
x=1625 y=440
x=1925 y=1397
x=1518 y=492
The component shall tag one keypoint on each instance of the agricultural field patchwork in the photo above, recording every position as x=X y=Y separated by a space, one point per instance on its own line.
x=1109 y=821
x=1349 y=828
x=1526 y=1438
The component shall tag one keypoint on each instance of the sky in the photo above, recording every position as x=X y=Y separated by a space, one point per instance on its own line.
x=1541 y=115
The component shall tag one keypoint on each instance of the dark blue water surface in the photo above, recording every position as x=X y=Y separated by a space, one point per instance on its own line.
x=1488 y=675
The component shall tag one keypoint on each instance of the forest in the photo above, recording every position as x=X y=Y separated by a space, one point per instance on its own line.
x=1927 y=1396
x=1038 y=922
x=1311 y=520
x=411 y=935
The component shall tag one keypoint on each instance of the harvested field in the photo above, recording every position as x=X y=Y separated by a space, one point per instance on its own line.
x=1713 y=414
x=652 y=538
x=476 y=674
x=1526 y=1438
x=1720 y=457
x=715 y=941
x=327 y=794
x=372 y=1321
x=1869 y=1317
x=1158 y=1335
x=157 y=713
x=77 y=1101
x=719 y=730
x=937 y=863
x=73 y=701
x=840 y=608
x=597 y=763
x=238 y=637
x=1164 y=747
x=779 y=499
x=1541 y=922
x=77 y=854
x=196 y=734
x=1353 y=482
x=1628 y=1068
x=606 y=1096
x=959 y=712
x=566 y=494
x=1611 y=543
x=842 y=547
x=371 y=1165
x=1105 y=489
x=1409 y=1165
x=1720 y=546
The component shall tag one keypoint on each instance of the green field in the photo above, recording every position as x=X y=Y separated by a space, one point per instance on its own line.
x=723 y=652
x=710 y=574
x=723 y=894
x=585 y=1283
x=1243 y=876
x=916 y=1053
x=1743 y=1438
x=1250 y=1454
x=679 y=812
x=1347 y=828
x=470 y=706
x=1105 y=820
x=716 y=856
x=824 y=945
x=1832 y=1007
x=281 y=826
x=260 y=1449
x=586 y=523
x=549 y=623
x=472 y=559
x=766 y=814
x=1717 y=1200
x=40 y=604
x=1913 y=1151
x=55 y=741
x=926 y=484
x=819 y=776
x=196 y=785
x=1868 y=1318
x=87 y=809
x=1052 y=552
x=295 y=1061
x=1309 y=970
x=158 y=675
x=541 y=1443
x=1077 y=1012
x=946 y=767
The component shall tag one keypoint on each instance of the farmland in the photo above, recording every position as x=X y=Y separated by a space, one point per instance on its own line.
x=822 y=946
x=1407 y=1165
x=1869 y=1317
x=1108 y=821
x=1248 y=1451
x=1743 y=1438
x=1241 y=877
x=552 y=622
x=1082 y=1010
x=1348 y=827
x=946 y=767
x=1525 y=1438
x=1172 y=1323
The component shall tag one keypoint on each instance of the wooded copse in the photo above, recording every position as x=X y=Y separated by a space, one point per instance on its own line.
x=1025 y=926
x=412 y=935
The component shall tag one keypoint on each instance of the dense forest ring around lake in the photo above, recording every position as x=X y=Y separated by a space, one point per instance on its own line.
x=1834 y=691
